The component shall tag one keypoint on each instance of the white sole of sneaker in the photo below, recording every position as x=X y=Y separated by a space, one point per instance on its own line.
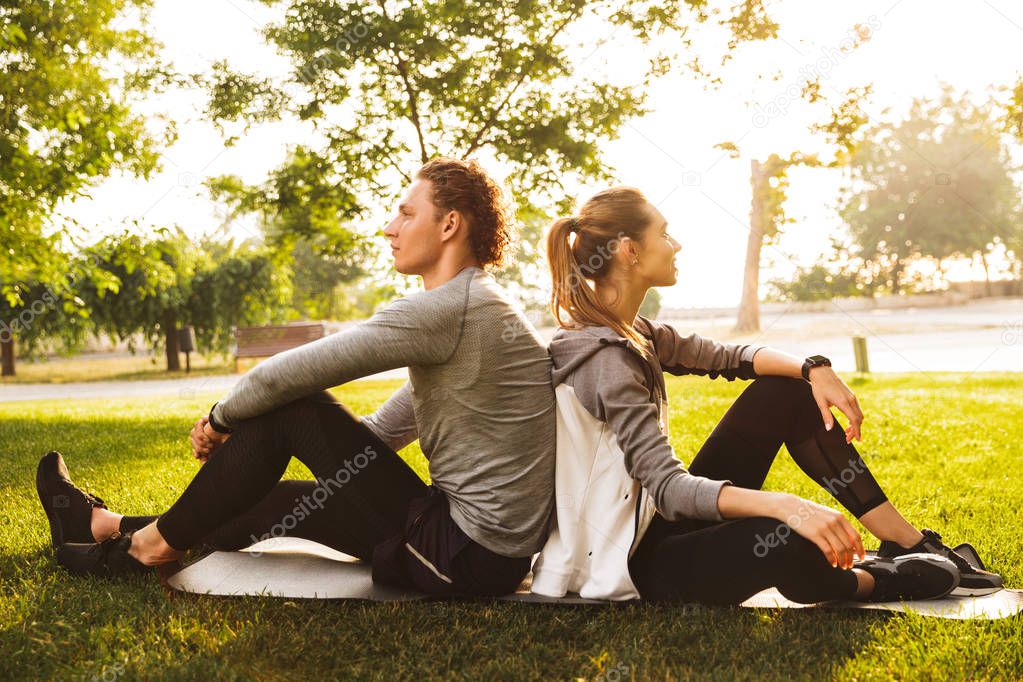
x=961 y=591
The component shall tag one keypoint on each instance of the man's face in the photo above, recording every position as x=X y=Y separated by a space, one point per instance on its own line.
x=415 y=233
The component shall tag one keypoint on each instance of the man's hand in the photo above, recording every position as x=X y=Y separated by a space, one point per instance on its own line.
x=204 y=439
x=829 y=390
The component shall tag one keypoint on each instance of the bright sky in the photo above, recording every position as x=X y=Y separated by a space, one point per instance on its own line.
x=914 y=46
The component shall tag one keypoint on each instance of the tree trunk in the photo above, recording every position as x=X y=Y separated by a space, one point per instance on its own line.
x=170 y=326
x=748 y=319
x=987 y=274
x=7 y=357
x=897 y=277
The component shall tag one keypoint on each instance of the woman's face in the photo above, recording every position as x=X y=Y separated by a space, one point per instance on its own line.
x=656 y=253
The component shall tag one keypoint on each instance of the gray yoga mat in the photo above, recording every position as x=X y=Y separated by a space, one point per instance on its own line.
x=300 y=569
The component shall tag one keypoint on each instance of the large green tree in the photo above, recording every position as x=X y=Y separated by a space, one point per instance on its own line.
x=69 y=71
x=937 y=184
x=46 y=317
x=769 y=184
x=155 y=285
x=392 y=83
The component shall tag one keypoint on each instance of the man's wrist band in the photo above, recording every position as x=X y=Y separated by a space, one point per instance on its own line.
x=216 y=426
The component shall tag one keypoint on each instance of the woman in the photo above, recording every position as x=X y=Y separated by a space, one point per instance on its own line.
x=632 y=521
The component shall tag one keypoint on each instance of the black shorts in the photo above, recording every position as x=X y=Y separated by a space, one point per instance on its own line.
x=435 y=556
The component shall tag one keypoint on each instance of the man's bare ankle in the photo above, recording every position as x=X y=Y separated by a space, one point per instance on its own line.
x=151 y=549
x=104 y=523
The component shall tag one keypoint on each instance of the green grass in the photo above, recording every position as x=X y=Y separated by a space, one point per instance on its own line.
x=946 y=448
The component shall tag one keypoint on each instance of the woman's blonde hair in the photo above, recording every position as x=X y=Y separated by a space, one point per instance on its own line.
x=580 y=250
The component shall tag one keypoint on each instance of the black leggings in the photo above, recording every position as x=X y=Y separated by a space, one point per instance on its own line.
x=237 y=497
x=727 y=562
x=365 y=502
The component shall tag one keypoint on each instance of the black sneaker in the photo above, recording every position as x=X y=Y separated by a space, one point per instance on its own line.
x=910 y=576
x=974 y=581
x=107 y=559
x=68 y=508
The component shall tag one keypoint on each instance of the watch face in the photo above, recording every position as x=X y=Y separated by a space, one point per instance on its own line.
x=819 y=360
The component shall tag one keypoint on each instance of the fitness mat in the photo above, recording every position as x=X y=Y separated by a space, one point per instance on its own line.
x=301 y=569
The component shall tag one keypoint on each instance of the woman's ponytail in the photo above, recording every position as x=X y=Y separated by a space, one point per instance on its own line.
x=581 y=248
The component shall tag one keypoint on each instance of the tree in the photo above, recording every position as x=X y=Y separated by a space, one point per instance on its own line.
x=68 y=73
x=937 y=184
x=140 y=285
x=1014 y=126
x=45 y=314
x=768 y=182
x=390 y=84
x=152 y=286
x=246 y=286
x=769 y=179
x=842 y=275
x=769 y=185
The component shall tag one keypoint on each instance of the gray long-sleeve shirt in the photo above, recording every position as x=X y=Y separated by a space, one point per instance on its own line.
x=481 y=395
x=616 y=385
x=394 y=422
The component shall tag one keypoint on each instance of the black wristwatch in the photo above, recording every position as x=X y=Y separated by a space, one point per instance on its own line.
x=814 y=361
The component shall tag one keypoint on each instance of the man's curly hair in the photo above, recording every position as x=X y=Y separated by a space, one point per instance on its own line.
x=465 y=187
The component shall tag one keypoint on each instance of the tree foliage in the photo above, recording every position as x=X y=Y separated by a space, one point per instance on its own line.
x=68 y=72
x=390 y=84
x=936 y=184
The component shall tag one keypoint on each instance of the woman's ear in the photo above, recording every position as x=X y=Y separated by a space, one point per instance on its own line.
x=629 y=250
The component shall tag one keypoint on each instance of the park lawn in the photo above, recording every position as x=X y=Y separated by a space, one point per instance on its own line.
x=102 y=367
x=946 y=448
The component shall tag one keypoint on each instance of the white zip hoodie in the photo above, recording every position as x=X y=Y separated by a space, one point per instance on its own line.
x=615 y=467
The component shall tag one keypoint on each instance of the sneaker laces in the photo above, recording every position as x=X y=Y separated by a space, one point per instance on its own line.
x=961 y=563
x=94 y=500
x=105 y=547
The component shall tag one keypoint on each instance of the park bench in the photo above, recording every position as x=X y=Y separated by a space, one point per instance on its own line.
x=262 y=342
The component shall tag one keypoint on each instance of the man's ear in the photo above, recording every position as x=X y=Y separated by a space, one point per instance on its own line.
x=451 y=224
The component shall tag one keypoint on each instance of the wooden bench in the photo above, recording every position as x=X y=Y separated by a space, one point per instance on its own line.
x=262 y=342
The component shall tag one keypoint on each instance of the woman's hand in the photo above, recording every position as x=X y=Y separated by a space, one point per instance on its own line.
x=827 y=528
x=829 y=389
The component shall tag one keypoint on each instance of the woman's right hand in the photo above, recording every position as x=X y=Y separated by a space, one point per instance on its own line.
x=827 y=528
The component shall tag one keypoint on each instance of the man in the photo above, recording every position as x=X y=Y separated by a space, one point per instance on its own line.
x=479 y=399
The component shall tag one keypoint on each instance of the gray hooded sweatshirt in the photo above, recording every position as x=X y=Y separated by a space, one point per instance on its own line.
x=615 y=384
